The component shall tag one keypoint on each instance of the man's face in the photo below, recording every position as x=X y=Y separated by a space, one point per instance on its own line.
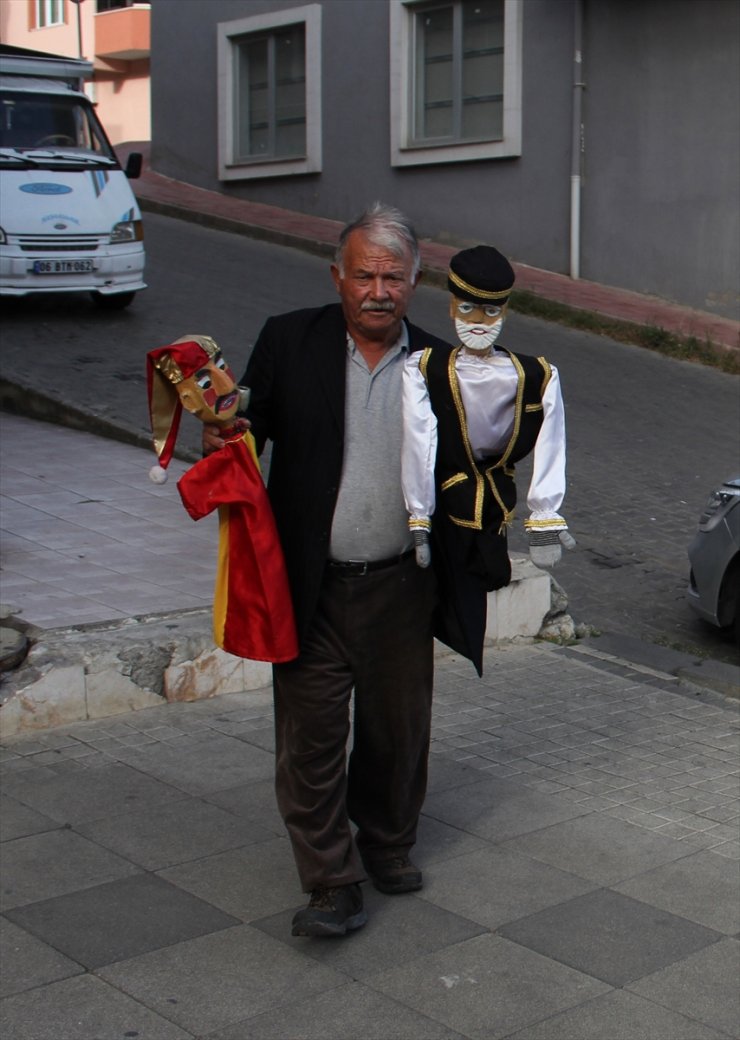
x=211 y=393
x=478 y=325
x=375 y=288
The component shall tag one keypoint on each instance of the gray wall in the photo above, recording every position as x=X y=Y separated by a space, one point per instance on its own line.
x=662 y=176
x=660 y=199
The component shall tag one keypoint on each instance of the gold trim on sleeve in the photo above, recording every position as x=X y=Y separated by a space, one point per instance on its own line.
x=547 y=377
x=424 y=362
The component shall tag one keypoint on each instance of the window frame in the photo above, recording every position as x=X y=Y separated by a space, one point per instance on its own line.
x=41 y=6
x=230 y=36
x=405 y=151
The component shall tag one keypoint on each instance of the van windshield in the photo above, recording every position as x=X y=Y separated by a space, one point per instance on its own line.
x=30 y=121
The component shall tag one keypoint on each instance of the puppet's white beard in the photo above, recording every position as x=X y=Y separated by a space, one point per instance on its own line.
x=478 y=337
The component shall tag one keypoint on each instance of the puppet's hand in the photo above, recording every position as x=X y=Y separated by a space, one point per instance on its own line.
x=422 y=548
x=212 y=436
x=546 y=547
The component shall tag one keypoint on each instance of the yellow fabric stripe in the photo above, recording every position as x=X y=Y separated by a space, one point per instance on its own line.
x=221 y=590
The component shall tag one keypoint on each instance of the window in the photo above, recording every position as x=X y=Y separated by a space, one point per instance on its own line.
x=269 y=94
x=455 y=80
x=112 y=5
x=49 y=12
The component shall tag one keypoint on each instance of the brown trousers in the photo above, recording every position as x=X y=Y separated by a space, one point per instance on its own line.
x=372 y=633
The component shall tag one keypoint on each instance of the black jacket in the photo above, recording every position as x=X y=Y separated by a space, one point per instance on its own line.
x=296 y=375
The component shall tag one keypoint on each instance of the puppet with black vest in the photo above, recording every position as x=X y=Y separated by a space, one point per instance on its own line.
x=470 y=414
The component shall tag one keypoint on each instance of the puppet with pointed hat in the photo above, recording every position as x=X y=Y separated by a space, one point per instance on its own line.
x=252 y=609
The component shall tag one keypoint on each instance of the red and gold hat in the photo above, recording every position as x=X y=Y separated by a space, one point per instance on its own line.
x=166 y=367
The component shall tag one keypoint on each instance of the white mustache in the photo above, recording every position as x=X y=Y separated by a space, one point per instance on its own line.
x=388 y=306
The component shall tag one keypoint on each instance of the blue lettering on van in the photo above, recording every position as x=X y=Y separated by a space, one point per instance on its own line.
x=46 y=189
x=59 y=216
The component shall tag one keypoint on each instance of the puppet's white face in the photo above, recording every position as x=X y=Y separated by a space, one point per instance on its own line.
x=478 y=326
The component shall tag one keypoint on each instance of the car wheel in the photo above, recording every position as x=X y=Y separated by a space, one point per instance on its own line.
x=115 y=302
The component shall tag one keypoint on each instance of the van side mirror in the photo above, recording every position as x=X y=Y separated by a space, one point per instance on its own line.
x=133 y=165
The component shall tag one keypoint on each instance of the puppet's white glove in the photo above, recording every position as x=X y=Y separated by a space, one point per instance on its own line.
x=422 y=548
x=546 y=547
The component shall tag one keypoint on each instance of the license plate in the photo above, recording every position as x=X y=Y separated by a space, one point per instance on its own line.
x=62 y=266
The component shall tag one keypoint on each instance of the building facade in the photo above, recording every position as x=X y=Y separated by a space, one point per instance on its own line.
x=596 y=138
x=113 y=34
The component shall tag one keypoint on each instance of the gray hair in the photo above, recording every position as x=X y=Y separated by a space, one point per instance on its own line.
x=386 y=227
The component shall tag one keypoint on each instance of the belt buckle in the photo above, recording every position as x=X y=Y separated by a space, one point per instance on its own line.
x=361 y=564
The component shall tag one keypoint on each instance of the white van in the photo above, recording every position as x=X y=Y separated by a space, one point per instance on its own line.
x=69 y=221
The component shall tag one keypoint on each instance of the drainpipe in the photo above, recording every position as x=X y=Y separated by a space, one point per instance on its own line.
x=576 y=144
x=79 y=28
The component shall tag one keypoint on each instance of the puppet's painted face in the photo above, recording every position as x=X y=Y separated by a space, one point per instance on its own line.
x=211 y=393
x=478 y=326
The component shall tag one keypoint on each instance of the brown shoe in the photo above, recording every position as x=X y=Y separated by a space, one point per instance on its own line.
x=331 y=912
x=394 y=876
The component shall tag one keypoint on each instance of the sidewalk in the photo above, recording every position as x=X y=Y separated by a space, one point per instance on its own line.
x=318 y=235
x=579 y=843
x=579 y=840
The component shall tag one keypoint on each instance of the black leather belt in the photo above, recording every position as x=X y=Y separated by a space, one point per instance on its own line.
x=365 y=566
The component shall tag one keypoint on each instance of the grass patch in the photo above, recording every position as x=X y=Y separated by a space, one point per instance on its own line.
x=649 y=336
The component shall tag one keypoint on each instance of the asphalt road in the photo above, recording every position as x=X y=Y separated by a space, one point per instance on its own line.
x=648 y=437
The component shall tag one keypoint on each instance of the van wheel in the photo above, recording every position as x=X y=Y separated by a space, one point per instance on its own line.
x=113 y=303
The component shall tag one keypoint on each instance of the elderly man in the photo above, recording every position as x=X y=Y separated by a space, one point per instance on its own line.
x=326 y=387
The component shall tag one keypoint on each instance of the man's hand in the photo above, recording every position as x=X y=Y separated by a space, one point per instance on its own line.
x=546 y=547
x=211 y=436
x=422 y=548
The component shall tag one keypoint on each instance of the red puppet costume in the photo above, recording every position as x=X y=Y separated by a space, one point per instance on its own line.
x=252 y=608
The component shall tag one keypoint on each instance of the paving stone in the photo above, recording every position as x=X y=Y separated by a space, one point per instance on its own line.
x=214 y=764
x=398 y=930
x=703 y=986
x=27 y=962
x=437 y=842
x=119 y=920
x=486 y=988
x=621 y=1015
x=218 y=980
x=248 y=882
x=445 y=773
x=75 y=799
x=43 y=866
x=351 y=1012
x=599 y=848
x=254 y=801
x=18 y=820
x=498 y=809
x=494 y=886
x=81 y=1008
x=187 y=830
x=702 y=888
x=610 y=936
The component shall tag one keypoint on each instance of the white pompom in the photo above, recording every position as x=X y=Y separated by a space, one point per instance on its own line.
x=158 y=475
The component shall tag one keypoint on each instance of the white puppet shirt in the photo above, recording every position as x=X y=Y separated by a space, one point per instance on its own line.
x=488 y=385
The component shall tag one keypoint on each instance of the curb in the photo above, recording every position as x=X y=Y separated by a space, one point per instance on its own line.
x=95 y=671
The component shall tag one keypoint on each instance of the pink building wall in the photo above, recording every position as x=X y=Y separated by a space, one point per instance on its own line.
x=120 y=84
